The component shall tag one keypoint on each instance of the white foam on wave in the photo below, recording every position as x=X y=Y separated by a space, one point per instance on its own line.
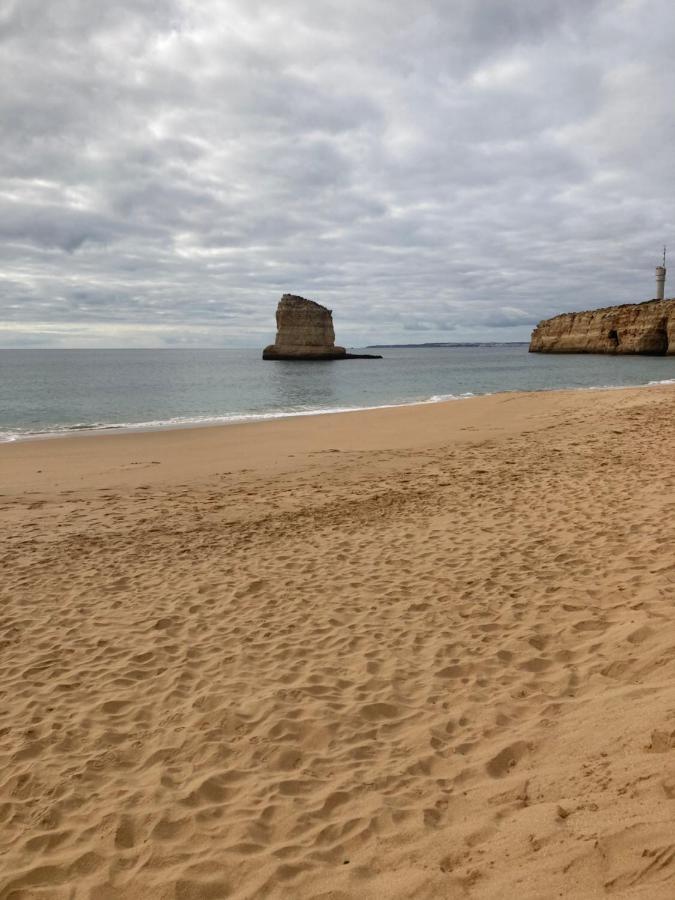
x=441 y=398
x=618 y=387
x=204 y=421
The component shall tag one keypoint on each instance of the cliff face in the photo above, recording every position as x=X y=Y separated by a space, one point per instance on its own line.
x=305 y=332
x=647 y=328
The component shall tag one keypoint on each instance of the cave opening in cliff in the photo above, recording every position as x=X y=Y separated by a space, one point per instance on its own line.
x=613 y=337
x=661 y=339
x=655 y=341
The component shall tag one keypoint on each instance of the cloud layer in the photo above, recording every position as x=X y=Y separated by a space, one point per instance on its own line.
x=448 y=171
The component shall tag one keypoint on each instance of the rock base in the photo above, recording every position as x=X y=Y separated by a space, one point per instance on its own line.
x=273 y=353
x=304 y=354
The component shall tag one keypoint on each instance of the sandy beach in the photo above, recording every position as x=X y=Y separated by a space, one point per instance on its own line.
x=425 y=652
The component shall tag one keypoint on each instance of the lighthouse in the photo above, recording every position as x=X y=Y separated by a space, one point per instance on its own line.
x=661 y=278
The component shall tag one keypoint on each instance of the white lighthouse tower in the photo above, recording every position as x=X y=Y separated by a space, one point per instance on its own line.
x=661 y=278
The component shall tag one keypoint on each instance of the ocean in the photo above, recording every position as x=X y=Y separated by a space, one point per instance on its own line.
x=55 y=392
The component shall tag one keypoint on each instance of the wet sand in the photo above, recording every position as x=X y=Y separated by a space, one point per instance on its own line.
x=421 y=652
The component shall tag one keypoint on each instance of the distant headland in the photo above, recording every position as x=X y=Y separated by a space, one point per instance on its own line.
x=447 y=344
x=634 y=328
x=305 y=332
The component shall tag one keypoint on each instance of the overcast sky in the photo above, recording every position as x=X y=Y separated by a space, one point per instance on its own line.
x=439 y=170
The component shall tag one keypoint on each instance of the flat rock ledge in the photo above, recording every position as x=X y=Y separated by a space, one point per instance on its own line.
x=305 y=332
x=634 y=328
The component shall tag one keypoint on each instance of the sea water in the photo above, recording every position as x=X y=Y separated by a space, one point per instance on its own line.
x=52 y=392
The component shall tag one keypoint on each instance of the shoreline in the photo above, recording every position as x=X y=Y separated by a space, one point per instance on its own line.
x=219 y=421
x=280 y=444
x=113 y=428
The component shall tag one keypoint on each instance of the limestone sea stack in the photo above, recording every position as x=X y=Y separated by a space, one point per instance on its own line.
x=305 y=332
x=645 y=328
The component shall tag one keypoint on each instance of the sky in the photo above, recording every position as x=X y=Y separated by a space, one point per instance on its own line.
x=444 y=170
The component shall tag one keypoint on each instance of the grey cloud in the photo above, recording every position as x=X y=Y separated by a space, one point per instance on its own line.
x=52 y=226
x=170 y=168
x=507 y=317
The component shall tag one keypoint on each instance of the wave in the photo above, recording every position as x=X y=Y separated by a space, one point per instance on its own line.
x=58 y=430
x=52 y=431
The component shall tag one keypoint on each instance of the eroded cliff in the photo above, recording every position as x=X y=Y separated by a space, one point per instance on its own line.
x=305 y=332
x=647 y=328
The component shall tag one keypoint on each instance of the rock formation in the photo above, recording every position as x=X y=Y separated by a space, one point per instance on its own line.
x=647 y=328
x=305 y=331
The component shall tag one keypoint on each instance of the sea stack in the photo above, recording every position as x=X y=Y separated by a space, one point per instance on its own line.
x=305 y=332
x=634 y=328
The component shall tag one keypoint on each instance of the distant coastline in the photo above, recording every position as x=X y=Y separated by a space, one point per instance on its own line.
x=431 y=346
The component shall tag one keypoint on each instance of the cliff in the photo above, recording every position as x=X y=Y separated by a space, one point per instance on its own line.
x=647 y=328
x=305 y=332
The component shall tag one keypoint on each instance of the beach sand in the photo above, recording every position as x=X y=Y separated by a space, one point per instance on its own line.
x=425 y=652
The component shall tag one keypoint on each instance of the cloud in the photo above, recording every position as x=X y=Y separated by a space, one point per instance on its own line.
x=168 y=169
x=508 y=317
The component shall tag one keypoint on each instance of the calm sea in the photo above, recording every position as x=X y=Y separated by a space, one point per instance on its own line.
x=50 y=392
